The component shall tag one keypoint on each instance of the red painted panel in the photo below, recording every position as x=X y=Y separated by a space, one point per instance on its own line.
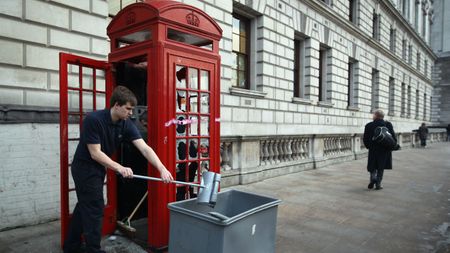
x=79 y=64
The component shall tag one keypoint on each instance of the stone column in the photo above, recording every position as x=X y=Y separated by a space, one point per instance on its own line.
x=317 y=151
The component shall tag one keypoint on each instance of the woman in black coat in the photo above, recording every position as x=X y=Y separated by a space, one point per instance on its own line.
x=380 y=158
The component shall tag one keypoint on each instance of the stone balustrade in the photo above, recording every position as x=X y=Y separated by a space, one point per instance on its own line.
x=278 y=150
x=250 y=159
x=335 y=145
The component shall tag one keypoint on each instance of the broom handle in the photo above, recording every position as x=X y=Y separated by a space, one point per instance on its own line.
x=159 y=179
x=137 y=207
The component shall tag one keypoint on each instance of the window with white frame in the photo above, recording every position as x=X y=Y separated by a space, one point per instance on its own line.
x=353 y=11
x=409 y=102
x=391 y=95
x=376 y=24
x=417 y=103
x=241 y=52
x=403 y=101
x=393 y=39
x=299 y=65
x=352 y=82
x=425 y=106
x=324 y=53
x=418 y=61
x=375 y=89
x=410 y=54
x=404 y=49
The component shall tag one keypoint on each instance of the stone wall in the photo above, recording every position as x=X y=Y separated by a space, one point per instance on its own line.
x=269 y=108
x=441 y=96
x=32 y=35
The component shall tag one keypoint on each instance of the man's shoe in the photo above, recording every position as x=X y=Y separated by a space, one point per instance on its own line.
x=379 y=187
x=370 y=186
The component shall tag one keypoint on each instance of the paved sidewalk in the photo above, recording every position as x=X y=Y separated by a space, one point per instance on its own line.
x=331 y=210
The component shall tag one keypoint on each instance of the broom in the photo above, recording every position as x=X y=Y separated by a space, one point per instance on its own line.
x=125 y=224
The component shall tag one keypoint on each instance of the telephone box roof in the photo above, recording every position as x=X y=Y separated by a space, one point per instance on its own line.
x=165 y=11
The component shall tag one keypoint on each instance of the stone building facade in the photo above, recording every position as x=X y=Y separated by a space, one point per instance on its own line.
x=299 y=81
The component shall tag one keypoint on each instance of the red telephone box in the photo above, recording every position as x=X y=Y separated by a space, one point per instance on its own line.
x=168 y=54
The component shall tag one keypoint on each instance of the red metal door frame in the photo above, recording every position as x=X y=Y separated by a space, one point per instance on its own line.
x=109 y=221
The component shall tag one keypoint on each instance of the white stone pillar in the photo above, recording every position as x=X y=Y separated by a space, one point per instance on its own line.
x=426 y=36
x=419 y=16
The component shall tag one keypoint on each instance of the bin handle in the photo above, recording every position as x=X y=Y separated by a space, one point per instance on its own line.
x=219 y=216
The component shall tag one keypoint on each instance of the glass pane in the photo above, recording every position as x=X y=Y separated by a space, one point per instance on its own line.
x=193 y=78
x=193 y=102
x=193 y=148
x=205 y=166
x=204 y=148
x=74 y=101
x=181 y=129
x=100 y=102
x=234 y=81
x=243 y=45
x=242 y=79
x=73 y=131
x=181 y=150
x=181 y=101
x=193 y=127
x=100 y=82
x=72 y=147
x=204 y=80
x=88 y=80
x=236 y=24
x=234 y=60
x=204 y=126
x=204 y=108
x=236 y=40
x=243 y=27
x=181 y=77
x=189 y=39
x=134 y=38
x=88 y=102
x=193 y=167
x=180 y=169
x=73 y=81
x=241 y=62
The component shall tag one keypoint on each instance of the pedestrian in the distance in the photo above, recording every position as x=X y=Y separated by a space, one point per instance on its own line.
x=448 y=132
x=380 y=157
x=423 y=135
x=100 y=136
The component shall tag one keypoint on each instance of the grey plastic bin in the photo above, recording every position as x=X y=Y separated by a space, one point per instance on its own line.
x=250 y=226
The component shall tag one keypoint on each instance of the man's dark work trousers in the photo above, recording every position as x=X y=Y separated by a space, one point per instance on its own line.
x=88 y=213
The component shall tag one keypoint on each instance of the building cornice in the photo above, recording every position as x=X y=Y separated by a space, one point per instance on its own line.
x=392 y=10
x=351 y=28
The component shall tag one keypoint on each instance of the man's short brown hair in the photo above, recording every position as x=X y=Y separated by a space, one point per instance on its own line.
x=122 y=95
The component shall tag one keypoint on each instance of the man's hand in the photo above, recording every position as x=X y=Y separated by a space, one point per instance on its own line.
x=125 y=172
x=165 y=175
